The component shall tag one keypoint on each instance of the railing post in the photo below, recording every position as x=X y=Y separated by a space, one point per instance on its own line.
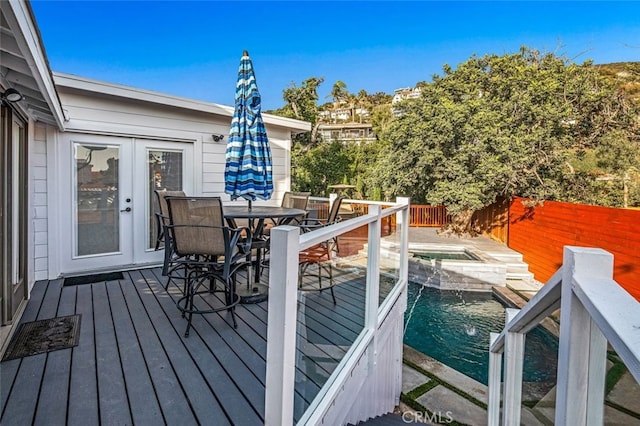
x=495 y=383
x=281 y=326
x=514 y=357
x=582 y=349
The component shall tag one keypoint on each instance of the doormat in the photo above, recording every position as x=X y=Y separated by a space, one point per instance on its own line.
x=42 y=336
x=95 y=278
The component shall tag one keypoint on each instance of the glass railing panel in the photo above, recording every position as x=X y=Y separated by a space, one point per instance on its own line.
x=389 y=257
x=539 y=376
x=318 y=209
x=622 y=393
x=331 y=310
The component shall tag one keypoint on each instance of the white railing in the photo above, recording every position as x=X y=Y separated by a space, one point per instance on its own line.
x=281 y=327
x=594 y=310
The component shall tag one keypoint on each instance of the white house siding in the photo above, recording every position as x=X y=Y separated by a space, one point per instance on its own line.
x=213 y=162
x=92 y=113
x=38 y=234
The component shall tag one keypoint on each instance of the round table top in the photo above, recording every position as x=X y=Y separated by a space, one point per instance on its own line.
x=257 y=212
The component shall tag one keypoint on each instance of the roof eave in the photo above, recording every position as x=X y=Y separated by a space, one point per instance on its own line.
x=128 y=92
x=28 y=37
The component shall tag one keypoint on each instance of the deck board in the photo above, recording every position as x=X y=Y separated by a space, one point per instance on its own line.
x=52 y=400
x=21 y=402
x=143 y=401
x=133 y=364
x=208 y=350
x=83 y=383
x=9 y=369
x=112 y=391
x=201 y=399
x=172 y=401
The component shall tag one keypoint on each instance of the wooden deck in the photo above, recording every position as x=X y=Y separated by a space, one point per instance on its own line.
x=133 y=364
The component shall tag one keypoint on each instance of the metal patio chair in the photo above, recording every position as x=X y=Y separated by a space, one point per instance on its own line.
x=319 y=256
x=162 y=213
x=290 y=200
x=210 y=253
x=170 y=268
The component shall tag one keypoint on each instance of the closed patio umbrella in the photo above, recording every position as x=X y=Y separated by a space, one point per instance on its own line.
x=247 y=172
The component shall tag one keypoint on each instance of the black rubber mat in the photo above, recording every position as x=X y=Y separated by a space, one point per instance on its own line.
x=42 y=336
x=94 y=278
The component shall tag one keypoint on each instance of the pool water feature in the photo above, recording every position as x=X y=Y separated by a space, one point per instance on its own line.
x=453 y=327
x=455 y=268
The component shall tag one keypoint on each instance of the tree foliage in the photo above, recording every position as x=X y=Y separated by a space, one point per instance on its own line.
x=317 y=168
x=499 y=126
x=531 y=124
x=301 y=102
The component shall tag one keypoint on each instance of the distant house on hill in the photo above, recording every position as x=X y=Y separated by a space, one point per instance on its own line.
x=405 y=93
x=347 y=132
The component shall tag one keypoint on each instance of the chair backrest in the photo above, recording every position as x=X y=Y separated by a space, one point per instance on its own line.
x=335 y=208
x=162 y=202
x=296 y=200
x=197 y=225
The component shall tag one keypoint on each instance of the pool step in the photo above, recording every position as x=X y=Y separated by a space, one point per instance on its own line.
x=518 y=271
x=507 y=257
x=523 y=276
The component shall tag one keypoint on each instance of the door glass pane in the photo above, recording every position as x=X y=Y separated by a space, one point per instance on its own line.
x=98 y=218
x=165 y=173
x=17 y=204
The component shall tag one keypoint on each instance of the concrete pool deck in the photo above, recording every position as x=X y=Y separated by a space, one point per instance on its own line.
x=434 y=393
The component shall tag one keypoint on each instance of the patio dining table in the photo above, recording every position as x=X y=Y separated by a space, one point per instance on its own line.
x=256 y=217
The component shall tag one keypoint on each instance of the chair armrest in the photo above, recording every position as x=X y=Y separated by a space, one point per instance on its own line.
x=241 y=238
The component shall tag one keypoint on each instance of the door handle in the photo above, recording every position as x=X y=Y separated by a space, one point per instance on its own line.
x=128 y=209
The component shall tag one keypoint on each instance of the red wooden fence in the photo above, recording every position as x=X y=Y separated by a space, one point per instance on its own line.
x=540 y=233
x=428 y=216
x=493 y=220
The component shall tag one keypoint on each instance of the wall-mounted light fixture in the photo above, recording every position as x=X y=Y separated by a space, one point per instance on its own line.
x=217 y=137
x=11 y=95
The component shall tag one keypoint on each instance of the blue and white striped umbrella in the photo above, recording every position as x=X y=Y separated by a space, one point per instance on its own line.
x=247 y=172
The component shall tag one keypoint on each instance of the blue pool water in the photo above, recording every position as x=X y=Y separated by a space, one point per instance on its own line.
x=454 y=327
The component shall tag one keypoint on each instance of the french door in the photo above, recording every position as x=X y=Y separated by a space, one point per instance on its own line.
x=109 y=209
x=13 y=219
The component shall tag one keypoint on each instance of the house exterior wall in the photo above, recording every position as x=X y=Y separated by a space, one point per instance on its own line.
x=94 y=114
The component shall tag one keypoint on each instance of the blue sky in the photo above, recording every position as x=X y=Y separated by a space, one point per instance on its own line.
x=193 y=48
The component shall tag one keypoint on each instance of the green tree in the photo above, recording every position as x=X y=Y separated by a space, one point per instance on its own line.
x=319 y=167
x=620 y=158
x=499 y=126
x=301 y=102
x=363 y=102
x=339 y=94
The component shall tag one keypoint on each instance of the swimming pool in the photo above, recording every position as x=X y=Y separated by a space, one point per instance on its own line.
x=453 y=327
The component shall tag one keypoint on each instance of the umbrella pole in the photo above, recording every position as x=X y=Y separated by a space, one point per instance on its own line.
x=249 y=205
